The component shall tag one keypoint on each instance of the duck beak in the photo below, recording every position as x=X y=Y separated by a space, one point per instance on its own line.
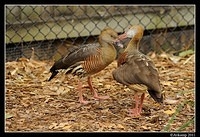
x=118 y=40
x=122 y=36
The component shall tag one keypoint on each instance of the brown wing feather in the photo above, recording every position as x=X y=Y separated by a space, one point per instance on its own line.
x=81 y=54
x=122 y=59
x=93 y=63
x=138 y=69
x=74 y=58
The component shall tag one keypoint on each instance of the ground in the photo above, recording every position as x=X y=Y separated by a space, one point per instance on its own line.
x=34 y=104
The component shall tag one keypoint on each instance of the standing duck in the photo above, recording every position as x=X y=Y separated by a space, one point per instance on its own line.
x=137 y=71
x=86 y=60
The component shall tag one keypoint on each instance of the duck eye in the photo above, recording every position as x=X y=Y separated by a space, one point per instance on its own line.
x=113 y=36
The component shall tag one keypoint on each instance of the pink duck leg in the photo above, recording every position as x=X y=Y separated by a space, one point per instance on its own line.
x=94 y=92
x=135 y=112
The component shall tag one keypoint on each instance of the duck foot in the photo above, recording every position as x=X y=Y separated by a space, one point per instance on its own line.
x=134 y=113
x=101 y=97
x=83 y=101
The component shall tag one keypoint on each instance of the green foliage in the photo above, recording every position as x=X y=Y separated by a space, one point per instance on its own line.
x=178 y=110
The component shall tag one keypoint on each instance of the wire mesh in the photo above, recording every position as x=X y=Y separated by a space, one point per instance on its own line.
x=48 y=28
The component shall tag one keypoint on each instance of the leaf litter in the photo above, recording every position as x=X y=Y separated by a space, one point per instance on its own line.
x=34 y=104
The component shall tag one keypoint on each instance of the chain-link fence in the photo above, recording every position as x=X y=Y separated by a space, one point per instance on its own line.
x=48 y=29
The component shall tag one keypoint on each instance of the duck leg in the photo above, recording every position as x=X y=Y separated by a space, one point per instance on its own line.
x=80 y=93
x=141 y=103
x=93 y=90
x=135 y=112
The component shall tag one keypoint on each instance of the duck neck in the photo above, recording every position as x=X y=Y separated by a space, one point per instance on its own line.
x=109 y=53
x=133 y=45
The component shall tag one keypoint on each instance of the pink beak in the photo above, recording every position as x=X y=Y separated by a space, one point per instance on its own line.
x=122 y=36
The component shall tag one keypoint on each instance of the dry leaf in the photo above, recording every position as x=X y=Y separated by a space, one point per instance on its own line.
x=66 y=90
x=14 y=71
x=71 y=87
x=107 y=86
x=120 y=126
x=53 y=125
x=48 y=99
x=53 y=88
x=164 y=55
x=175 y=59
x=60 y=90
x=63 y=124
x=40 y=96
x=100 y=84
x=127 y=90
x=127 y=118
x=48 y=92
x=37 y=63
x=169 y=112
x=105 y=110
x=144 y=127
x=170 y=101
x=67 y=127
x=8 y=115
x=153 y=55
x=167 y=83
